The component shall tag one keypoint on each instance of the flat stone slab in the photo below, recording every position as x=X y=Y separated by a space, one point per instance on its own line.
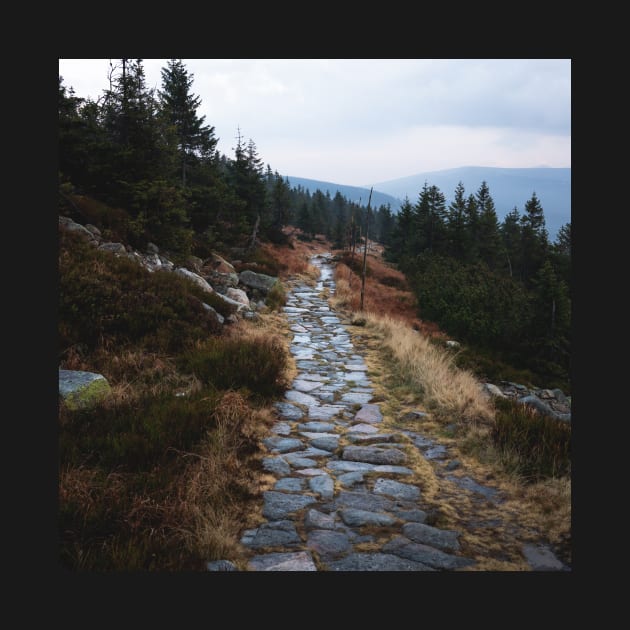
x=414 y=516
x=290 y=484
x=276 y=465
x=350 y=466
x=540 y=558
x=305 y=386
x=288 y=411
x=322 y=485
x=298 y=561
x=358 y=518
x=355 y=398
x=316 y=427
x=320 y=378
x=300 y=398
x=326 y=442
x=395 y=470
x=278 y=505
x=221 y=565
x=273 y=534
x=298 y=328
x=369 y=438
x=323 y=412
x=446 y=540
x=400 y=491
x=363 y=501
x=309 y=472
x=300 y=339
x=426 y=555
x=283 y=444
x=470 y=484
x=350 y=479
x=328 y=544
x=373 y=455
x=363 y=428
x=369 y=413
x=281 y=428
x=298 y=461
x=436 y=452
x=375 y=562
x=354 y=376
x=315 y=519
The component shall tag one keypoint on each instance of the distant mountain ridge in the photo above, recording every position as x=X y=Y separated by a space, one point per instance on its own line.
x=509 y=187
x=351 y=193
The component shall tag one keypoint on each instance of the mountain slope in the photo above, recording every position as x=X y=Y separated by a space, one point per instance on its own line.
x=509 y=187
x=352 y=193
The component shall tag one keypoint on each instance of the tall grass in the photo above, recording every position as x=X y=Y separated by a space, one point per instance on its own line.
x=430 y=372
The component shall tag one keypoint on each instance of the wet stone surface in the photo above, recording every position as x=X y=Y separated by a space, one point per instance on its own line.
x=340 y=477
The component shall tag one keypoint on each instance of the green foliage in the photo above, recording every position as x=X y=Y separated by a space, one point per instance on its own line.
x=534 y=446
x=257 y=364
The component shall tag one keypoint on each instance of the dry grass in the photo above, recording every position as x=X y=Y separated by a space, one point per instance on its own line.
x=446 y=390
x=295 y=258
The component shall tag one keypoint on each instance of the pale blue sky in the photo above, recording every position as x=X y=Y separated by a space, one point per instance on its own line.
x=362 y=121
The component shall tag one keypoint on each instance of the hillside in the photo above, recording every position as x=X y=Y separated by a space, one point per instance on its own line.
x=509 y=187
x=352 y=193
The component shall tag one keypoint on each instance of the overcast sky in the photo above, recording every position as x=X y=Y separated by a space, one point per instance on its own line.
x=363 y=121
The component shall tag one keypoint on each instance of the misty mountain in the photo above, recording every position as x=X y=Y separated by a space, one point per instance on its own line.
x=351 y=193
x=509 y=187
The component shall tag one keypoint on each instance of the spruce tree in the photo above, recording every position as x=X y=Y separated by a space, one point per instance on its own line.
x=489 y=240
x=456 y=224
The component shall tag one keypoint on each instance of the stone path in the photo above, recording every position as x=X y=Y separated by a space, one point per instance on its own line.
x=341 y=501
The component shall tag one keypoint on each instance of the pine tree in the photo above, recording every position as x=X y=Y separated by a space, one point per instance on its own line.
x=489 y=240
x=177 y=103
x=401 y=238
x=510 y=231
x=471 y=254
x=534 y=239
x=456 y=224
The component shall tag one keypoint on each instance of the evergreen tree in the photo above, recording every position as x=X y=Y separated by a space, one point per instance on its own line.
x=471 y=253
x=489 y=239
x=510 y=231
x=456 y=225
x=401 y=237
x=195 y=140
x=533 y=238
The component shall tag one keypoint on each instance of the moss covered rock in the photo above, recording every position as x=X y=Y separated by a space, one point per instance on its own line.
x=80 y=390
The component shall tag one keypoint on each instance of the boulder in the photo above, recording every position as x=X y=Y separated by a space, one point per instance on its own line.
x=217 y=264
x=81 y=390
x=259 y=281
x=196 y=278
x=195 y=263
x=238 y=295
x=96 y=233
x=115 y=248
x=218 y=318
x=152 y=248
x=492 y=390
x=68 y=224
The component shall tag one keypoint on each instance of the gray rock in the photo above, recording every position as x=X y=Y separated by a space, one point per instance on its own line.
x=323 y=412
x=218 y=318
x=300 y=398
x=350 y=479
x=412 y=416
x=278 y=505
x=370 y=413
x=315 y=519
x=193 y=277
x=373 y=455
x=358 y=518
x=239 y=307
x=221 y=565
x=281 y=428
x=424 y=554
x=446 y=540
x=452 y=344
x=316 y=427
x=274 y=534
x=400 y=491
x=541 y=558
x=305 y=386
x=364 y=428
x=290 y=484
x=453 y=465
x=259 y=281
x=327 y=443
x=115 y=248
x=298 y=561
x=395 y=470
x=356 y=398
x=66 y=223
x=350 y=466
x=282 y=444
x=322 y=485
x=299 y=461
x=470 y=484
x=363 y=501
x=92 y=229
x=493 y=390
x=238 y=295
x=436 y=452
x=288 y=411
x=328 y=544
x=375 y=562
x=413 y=516
x=152 y=248
x=82 y=390
x=276 y=465
x=559 y=396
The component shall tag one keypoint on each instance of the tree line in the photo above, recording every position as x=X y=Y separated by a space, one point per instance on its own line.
x=150 y=153
x=501 y=285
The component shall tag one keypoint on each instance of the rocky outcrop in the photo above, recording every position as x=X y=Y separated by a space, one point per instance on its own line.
x=259 y=281
x=196 y=278
x=82 y=390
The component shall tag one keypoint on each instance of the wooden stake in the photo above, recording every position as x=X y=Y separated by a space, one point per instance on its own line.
x=367 y=227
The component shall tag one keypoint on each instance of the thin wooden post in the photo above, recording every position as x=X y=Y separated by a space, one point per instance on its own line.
x=367 y=228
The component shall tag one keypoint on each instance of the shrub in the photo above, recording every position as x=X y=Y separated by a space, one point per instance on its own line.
x=277 y=297
x=533 y=445
x=256 y=362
